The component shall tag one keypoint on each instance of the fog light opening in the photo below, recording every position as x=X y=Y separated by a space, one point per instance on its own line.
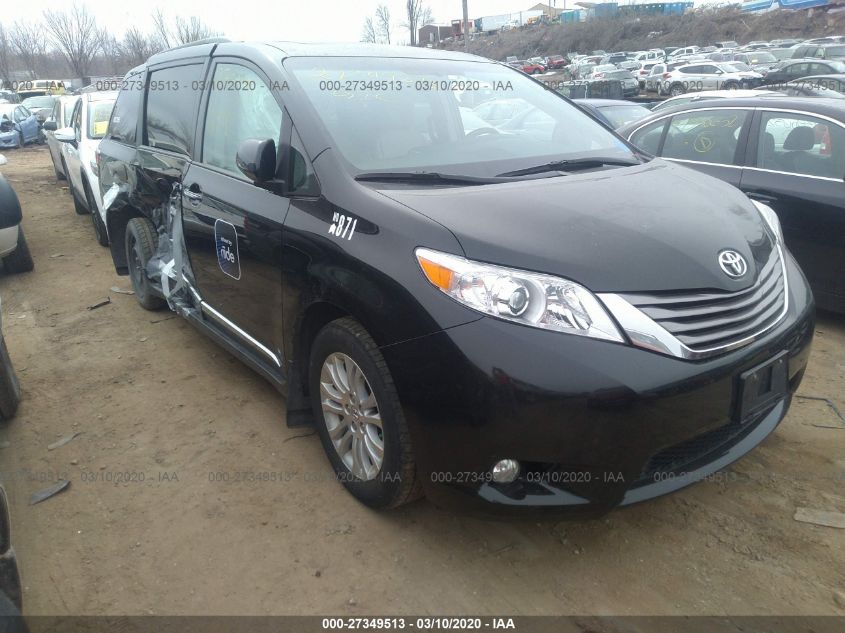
x=505 y=471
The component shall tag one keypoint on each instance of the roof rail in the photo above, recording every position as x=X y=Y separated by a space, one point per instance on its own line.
x=208 y=40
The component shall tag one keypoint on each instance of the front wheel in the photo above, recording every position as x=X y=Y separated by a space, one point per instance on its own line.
x=676 y=90
x=359 y=417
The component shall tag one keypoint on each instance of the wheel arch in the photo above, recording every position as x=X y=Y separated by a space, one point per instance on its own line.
x=116 y=221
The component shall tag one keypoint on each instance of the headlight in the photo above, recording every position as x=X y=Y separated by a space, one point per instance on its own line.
x=771 y=219
x=550 y=303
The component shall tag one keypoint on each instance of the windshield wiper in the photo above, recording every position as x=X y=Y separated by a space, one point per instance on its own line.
x=432 y=177
x=573 y=164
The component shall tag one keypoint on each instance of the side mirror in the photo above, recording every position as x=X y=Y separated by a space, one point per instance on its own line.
x=66 y=135
x=50 y=126
x=257 y=159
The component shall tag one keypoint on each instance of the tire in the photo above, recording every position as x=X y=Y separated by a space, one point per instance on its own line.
x=10 y=389
x=20 y=259
x=78 y=205
x=731 y=86
x=676 y=90
x=140 y=240
x=344 y=343
x=20 y=140
x=100 y=231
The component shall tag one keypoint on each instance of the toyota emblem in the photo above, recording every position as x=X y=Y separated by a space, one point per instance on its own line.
x=732 y=263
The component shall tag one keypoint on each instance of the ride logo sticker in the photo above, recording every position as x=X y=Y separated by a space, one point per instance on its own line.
x=226 y=242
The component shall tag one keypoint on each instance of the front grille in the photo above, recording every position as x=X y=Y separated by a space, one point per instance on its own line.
x=711 y=320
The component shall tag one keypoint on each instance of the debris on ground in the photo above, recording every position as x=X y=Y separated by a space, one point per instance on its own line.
x=121 y=291
x=100 y=304
x=820 y=517
x=43 y=495
x=63 y=441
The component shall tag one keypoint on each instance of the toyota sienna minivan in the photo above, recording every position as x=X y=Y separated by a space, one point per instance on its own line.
x=479 y=302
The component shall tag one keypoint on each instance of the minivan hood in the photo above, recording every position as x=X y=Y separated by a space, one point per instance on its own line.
x=650 y=227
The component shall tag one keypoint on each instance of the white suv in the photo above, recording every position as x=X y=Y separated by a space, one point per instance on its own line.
x=709 y=76
x=88 y=125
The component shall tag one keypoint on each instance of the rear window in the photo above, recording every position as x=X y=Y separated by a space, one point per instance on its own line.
x=98 y=118
x=127 y=108
x=835 y=51
x=170 y=117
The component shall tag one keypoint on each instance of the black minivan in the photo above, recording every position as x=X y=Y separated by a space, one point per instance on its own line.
x=491 y=311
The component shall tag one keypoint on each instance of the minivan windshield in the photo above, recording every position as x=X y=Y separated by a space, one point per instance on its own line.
x=446 y=116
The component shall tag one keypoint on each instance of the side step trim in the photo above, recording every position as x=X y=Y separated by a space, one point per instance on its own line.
x=244 y=335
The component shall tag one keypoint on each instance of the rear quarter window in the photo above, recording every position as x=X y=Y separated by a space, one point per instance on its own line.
x=127 y=109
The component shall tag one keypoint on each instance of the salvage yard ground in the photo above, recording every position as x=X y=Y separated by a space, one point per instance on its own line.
x=199 y=528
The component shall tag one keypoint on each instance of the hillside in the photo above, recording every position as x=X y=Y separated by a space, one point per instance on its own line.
x=702 y=26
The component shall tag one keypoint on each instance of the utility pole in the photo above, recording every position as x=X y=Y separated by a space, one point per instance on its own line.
x=466 y=27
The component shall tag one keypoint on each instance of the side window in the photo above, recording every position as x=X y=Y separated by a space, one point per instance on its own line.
x=127 y=108
x=707 y=136
x=801 y=144
x=708 y=69
x=648 y=137
x=302 y=181
x=798 y=70
x=55 y=113
x=240 y=106
x=170 y=117
x=76 y=122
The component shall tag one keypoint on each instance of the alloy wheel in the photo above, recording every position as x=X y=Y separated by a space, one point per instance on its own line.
x=352 y=416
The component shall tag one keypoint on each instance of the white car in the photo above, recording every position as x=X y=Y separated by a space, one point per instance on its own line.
x=80 y=140
x=687 y=50
x=696 y=77
x=14 y=250
x=59 y=118
x=712 y=94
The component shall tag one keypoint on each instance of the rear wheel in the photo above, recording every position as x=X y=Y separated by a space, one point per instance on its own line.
x=359 y=417
x=20 y=259
x=100 y=231
x=140 y=241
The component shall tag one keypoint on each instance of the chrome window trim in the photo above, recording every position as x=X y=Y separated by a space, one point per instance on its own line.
x=646 y=333
x=698 y=162
x=792 y=173
x=240 y=332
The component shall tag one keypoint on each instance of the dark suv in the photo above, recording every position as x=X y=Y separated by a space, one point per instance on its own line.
x=480 y=309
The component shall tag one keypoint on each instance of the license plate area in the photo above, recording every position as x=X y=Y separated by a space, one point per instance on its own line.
x=762 y=386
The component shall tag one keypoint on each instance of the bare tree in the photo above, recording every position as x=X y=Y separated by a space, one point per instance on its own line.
x=191 y=30
x=137 y=47
x=5 y=57
x=162 y=31
x=383 y=23
x=28 y=43
x=112 y=50
x=369 y=33
x=183 y=32
x=76 y=36
x=418 y=15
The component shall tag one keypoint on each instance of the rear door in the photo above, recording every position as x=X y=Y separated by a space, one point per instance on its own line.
x=796 y=163
x=233 y=228
x=71 y=153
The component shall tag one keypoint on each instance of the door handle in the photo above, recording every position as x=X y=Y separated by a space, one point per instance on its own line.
x=193 y=193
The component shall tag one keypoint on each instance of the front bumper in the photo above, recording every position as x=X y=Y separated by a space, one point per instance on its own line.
x=594 y=424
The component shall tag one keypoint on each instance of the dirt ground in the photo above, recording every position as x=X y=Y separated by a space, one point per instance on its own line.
x=160 y=517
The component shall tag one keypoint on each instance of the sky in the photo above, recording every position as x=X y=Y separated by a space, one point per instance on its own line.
x=295 y=20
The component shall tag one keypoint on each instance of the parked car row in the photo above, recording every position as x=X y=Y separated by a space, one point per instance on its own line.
x=74 y=129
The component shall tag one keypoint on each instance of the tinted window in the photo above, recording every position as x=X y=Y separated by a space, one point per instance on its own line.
x=127 y=108
x=799 y=70
x=171 y=108
x=234 y=116
x=801 y=144
x=708 y=136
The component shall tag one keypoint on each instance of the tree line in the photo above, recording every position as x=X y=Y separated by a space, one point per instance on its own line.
x=69 y=44
x=377 y=29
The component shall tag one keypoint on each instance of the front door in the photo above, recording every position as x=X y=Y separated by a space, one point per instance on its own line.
x=233 y=228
